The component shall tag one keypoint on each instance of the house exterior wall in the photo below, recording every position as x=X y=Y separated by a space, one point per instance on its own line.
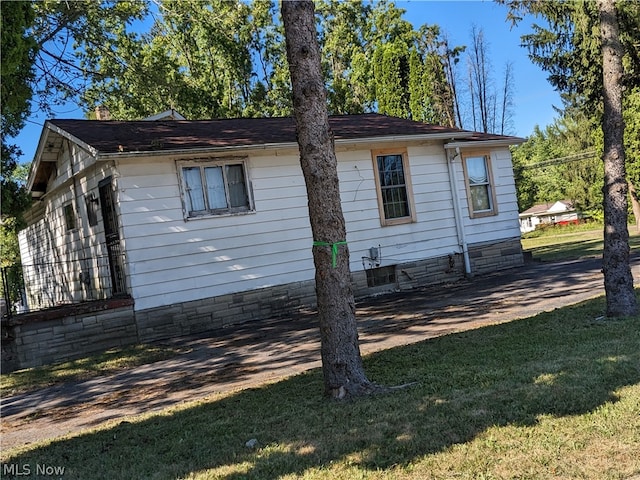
x=189 y=276
x=170 y=260
x=173 y=261
x=71 y=262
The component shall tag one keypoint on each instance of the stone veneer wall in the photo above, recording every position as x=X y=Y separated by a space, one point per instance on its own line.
x=66 y=333
x=490 y=257
x=43 y=337
x=217 y=312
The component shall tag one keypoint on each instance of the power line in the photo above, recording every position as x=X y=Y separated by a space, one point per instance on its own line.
x=556 y=161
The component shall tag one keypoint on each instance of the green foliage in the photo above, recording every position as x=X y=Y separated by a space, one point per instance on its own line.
x=568 y=46
x=16 y=66
x=17 y=52
x=215 y=58
x=579 y=181
x=632 y=134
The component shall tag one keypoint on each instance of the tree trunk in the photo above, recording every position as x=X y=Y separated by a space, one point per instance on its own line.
x=618 y=281
x=341 y=362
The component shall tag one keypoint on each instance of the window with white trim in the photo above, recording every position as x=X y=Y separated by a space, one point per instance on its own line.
x=479 y=184
x=214 y=187
x=393 y=186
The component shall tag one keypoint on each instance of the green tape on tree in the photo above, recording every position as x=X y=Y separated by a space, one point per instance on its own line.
x=334 y=250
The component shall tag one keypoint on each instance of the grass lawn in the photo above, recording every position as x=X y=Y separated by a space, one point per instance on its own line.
x=570 y=243
x=555 y=396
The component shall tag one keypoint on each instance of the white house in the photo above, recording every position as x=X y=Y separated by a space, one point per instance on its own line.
x=561 y=212
x=205 y=223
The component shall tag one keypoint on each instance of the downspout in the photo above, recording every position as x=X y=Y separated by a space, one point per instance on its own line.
x=457 y=212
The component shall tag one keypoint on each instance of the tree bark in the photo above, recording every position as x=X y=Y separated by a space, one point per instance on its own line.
x=618 y=281
x=341 y=361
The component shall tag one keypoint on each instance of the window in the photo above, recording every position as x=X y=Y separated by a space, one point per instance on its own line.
x=69 y=216
x=480 y=193
x=391 y=171
x=214 y=188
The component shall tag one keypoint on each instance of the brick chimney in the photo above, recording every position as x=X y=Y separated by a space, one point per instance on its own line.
x=102 y=113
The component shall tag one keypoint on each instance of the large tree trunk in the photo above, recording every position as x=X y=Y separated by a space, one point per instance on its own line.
x=618 y=281
x=341 y=362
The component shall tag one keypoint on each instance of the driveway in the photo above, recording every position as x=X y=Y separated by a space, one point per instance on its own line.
x=267 y=351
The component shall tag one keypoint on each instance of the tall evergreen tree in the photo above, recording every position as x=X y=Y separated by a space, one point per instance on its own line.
x=591 y=70
x=618 y=281
x=341 y=362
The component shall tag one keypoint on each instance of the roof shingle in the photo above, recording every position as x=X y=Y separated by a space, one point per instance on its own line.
x=138 y=136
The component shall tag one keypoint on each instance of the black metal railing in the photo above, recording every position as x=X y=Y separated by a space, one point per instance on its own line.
x=42 y=285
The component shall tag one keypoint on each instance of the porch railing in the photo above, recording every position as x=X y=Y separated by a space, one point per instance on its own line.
x=38 y=286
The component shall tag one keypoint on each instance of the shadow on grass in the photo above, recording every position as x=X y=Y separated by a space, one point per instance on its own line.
x=559 y=363
x=246 y=354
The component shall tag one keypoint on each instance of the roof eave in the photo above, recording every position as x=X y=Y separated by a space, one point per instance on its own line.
x=283 y=145
x=506 y=142
x=93 y=151
x=42 y=144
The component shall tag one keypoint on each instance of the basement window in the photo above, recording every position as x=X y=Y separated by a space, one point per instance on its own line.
x=381 y=276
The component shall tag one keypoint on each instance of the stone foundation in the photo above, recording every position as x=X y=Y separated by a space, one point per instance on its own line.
x=491 y=257
x=71 y=332
x=217 y=312
x=66 y=333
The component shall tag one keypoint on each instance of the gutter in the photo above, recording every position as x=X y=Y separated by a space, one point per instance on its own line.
x=503 y=142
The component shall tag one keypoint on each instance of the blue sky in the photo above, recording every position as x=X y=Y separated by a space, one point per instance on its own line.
x=533 y=97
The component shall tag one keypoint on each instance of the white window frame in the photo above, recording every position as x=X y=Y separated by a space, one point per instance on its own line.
x=210 y=211
x=384 y=221
x=488 y=184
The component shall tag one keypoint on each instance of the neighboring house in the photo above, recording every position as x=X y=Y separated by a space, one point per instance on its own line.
x=205 y=223
x=561 y=212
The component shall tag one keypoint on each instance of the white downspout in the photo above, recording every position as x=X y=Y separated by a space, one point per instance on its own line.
x=462 y=240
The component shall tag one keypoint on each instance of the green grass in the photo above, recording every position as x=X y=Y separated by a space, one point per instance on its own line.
x=552 y=244
x=555 y=396
x=110 y=361
x=570 y=243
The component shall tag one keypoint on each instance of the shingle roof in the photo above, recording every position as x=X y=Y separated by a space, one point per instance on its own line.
x=545 y=207
x=138 y=136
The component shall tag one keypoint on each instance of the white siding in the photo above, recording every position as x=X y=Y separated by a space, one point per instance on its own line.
x=505 y=224
x=62 y=266
x=173 y=260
